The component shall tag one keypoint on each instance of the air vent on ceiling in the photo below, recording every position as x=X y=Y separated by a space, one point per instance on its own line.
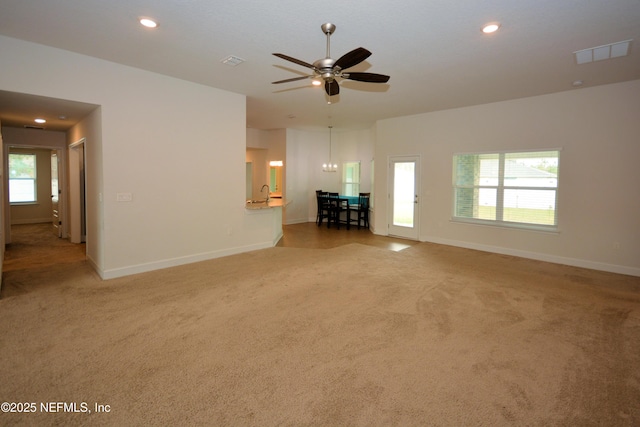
x=232 y=60
x=608 y=51
x=33 y=127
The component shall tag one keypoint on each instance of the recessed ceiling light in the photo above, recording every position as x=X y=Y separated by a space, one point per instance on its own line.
x=148 y=22
x=40 y=121
x=490 y=28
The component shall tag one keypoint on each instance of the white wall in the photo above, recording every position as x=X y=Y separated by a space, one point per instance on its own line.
x=599 y=208
x=176 y=146
x=300 y=177
x=307 y=151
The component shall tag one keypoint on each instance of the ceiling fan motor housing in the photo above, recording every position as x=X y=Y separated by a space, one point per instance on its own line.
x=325 y=68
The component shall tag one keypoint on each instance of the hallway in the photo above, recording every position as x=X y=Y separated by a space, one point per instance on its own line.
x=35 y=245
x=34 y=256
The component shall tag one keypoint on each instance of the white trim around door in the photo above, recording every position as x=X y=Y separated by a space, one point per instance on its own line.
x=404 y=206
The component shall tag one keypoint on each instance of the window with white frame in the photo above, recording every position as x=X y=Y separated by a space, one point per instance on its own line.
x=351 y=178
x=22 y=178
x=516 y=189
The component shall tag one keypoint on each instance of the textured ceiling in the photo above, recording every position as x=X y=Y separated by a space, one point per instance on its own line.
x=434 y=51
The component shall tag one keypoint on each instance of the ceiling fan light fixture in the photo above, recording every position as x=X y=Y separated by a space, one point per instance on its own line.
x=491 y=28
x=148 y=22
x=316 y=82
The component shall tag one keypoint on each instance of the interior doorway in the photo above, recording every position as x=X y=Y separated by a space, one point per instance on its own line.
x=77 y=192
x=28 y=195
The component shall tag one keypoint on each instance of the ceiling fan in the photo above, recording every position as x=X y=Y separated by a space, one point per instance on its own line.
x=329 y=69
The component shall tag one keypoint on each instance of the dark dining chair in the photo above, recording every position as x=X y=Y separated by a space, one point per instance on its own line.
x=324 y=208
x=336 y=207
x=361 y=210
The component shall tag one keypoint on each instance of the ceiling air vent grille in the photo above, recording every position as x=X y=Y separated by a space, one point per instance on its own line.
x=608 y=51
x=232 y=60
x=33 y=127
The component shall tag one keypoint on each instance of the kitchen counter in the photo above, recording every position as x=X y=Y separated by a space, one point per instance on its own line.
x=272 y=203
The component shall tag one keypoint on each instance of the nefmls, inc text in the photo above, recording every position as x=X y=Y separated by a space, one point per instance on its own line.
x=75 y=407
x=53 y=407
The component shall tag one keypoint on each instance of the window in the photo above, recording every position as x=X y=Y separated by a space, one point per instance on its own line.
x=508 y=188
x=22 y=178
x=351 y=179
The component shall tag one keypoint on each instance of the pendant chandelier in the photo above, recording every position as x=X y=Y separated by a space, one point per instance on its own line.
x=329 y=167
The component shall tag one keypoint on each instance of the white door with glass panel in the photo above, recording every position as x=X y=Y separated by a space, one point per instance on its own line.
x=403 y=196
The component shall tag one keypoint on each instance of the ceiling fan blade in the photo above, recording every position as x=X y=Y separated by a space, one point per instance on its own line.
x=294 y=60
x=291 y=80
x=367 y=77
x=352 y=58
x=332 y=87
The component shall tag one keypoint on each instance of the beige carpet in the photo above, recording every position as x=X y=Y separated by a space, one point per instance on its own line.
x=350 y=336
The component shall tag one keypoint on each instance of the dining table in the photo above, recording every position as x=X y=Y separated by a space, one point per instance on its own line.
x=351 y=201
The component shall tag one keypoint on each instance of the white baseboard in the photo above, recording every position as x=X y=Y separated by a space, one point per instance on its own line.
x=298 y=221
x=94 y=265
x=174 y=262
x=575 y=262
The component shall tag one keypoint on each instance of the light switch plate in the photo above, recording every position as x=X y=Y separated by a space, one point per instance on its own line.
x=124 y=197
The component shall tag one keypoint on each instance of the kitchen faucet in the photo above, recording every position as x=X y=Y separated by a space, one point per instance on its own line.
x=266 y=185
